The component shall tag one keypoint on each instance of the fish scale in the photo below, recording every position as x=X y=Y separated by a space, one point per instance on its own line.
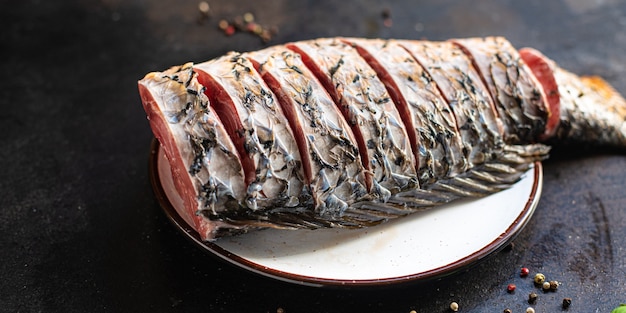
x=459 y=83
x=278 y=176
x=437 y=139
x=381 y=135
x=270 y=147
x=218 y=181
x=511 y=85
x=335 y=172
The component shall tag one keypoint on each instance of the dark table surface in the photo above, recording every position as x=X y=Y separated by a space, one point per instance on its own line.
x=81 y=231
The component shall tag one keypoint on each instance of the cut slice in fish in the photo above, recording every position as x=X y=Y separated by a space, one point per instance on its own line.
x=519 y=100
x=430 y=122
x=328 y=149
x=256 y=123
x=453 y=72
x=382 y=138
x=205 y=164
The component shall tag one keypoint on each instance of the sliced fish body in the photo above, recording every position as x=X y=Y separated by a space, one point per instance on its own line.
x=255 y=120
x=380 y=132
x=453 y=72
x=329 y=151
x=205 y=164
x=517 y=94
x=437 y=138
x=350 y=132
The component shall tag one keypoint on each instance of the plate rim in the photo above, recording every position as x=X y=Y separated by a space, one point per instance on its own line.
x=439 y=272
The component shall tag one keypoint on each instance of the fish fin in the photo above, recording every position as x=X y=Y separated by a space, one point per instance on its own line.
x=499 y=174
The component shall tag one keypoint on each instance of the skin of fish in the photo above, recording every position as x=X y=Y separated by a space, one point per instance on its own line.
x=511 y=84
x=265 y=134
x=336 y=173
x=366 y=105
x=458 y=81
x=289 y=151
x=205 y=165
x=438 y=141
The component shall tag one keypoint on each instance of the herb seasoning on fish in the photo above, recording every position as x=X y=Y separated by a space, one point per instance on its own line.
x=350 y=132
x=273 y=173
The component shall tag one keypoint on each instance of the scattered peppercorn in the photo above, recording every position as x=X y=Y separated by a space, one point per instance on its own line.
x=230 y=30
x=248 y=17
x=246 y=23
x=223 y=24
x=454 y=306
x=274 y=30
x=567 y=302
x=545 y=286
x=524 y=272
x=532 y=298
x=265 y=35
x=203 y=6
x=238 y=22
x=530 y=310
x=539 y=278
x=254 y=28
x=510 y=288
x=554 y=285
x=386 y=15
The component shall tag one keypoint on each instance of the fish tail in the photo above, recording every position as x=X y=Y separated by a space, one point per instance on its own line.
x=583 y=110
x=591 y=112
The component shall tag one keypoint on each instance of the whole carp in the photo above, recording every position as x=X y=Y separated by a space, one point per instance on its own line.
x=350 y=132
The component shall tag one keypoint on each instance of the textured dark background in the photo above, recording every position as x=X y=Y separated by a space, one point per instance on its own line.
x=80 y=229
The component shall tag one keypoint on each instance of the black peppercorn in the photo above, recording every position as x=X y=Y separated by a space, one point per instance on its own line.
x=554 y=285
x=567 y=302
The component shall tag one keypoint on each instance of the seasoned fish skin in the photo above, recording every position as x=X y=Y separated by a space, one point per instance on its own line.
x=206 y=168
x=336 y=174
x=519 y=101
x=266 y=138
x=460 y=84
x=366 y=105
x=438 y=141
x=258 y=139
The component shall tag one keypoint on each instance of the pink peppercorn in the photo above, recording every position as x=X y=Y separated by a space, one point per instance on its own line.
x=524 y=272
x=511 y=287
x=230 y=30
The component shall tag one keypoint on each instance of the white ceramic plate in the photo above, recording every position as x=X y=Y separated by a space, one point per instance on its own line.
x=424 y=245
